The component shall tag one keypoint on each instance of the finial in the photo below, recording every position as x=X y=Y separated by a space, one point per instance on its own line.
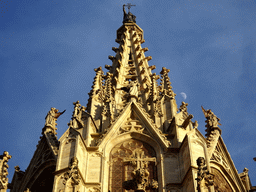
x=17 y=168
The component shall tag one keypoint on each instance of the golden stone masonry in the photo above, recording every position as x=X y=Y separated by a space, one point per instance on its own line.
x=131 y=136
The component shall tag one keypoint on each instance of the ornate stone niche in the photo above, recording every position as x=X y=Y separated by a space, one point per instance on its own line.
x=121 y=171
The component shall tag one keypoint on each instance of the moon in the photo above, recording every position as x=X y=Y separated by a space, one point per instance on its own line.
x=183 y=95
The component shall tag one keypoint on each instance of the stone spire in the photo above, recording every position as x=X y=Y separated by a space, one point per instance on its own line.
x=166 y=87
x=97 y=92
x=154 y=100
x=169 y=103
x=108 y=108
x=130 y=65
x=129 y=79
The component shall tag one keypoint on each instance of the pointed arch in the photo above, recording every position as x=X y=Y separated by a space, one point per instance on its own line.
x=123 y=138
x=223 y=182
x=121 y=171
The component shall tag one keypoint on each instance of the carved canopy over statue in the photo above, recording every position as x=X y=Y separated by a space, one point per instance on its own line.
x=77 y=117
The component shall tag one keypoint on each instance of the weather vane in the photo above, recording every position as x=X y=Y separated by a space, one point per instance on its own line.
x=129 y=6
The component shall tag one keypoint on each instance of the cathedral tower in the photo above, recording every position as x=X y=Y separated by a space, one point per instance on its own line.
x=131 y=135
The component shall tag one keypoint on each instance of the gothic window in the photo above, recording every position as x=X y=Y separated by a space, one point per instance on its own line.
x=121 y=167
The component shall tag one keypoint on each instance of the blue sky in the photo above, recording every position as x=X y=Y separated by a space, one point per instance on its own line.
x=48 y=50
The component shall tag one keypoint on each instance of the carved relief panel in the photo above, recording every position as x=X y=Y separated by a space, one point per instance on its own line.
x=121 y=171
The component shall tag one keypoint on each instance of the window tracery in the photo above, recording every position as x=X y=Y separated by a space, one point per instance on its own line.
x=121 y=171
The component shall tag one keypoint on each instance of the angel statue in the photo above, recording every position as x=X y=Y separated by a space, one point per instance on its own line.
x=52 y=116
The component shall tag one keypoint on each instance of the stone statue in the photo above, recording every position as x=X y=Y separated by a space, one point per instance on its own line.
x=134 y=88
x=204 y=177
x=73 y=172
x=52 y=116
x=211 y=119
x=77 y=106
x=128 y=18
x=77 y=115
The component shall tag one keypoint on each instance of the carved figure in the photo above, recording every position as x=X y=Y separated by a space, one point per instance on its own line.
x=52 y=116
x=73 y=172
x=76 y=121
x=134 y=88
x=204 y=178
x=195 y=124
x=128 y=18
x=211 y=119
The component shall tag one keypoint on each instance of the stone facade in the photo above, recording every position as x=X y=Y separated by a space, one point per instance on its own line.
x=131 y=136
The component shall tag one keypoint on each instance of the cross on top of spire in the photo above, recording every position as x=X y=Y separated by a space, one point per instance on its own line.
x=129 y=5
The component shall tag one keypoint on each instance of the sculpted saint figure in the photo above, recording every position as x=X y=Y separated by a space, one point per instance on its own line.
x=51 y=117
x=134 y=88
x=77 y=115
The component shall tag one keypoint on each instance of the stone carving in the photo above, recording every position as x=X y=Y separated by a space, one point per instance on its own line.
x=183 y=108
x=134 y=88
x=77 y=117
x=131 y=126
x=216 y=156
x=123 y=162
x=72 y=173
x=51 y=118
x=95 y=189
x=140 y=174
x=17 y=168
x=195 y=124
x=4 y=169
x=166 y=88
x=128 y=18
x=204 y=178
x=211 y=119
x=212 y=130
